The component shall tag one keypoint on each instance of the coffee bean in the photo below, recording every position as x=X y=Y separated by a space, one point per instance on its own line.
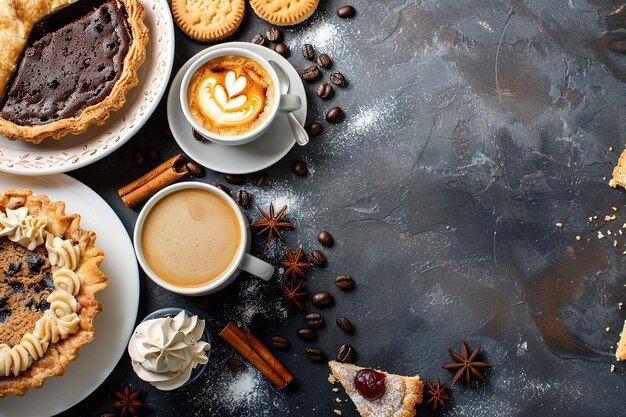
x=223 y=188
x=345 y=353
x=334 y=115
x=344 y=324
x=337 y=78
x=323 y=60
x=300 y=168
x=346 y=12
x=258 y=39
x=317 y=258
x=258 y=321
x=307 y=52
x=202 y=302
x=153 y=153
x=325 y=91
x=260 y=179
x=311 y=73
x=197 y=136
x=125 y=153
x=281 y=49
x=618 y=46
x=314 y=320
x=314 y=128
x=325 y=238
x=322 y=299
x=234 y=364
x=242 y=198
x=279 y=342
x=344 y=281
x=315 y=354
x=306 y=334
x=138 y=159
x=234 y=179
x=166 y=131
x=194 y=169
x=273 y=34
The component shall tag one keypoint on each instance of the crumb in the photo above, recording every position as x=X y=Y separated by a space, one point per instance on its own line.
x=620 y=306
x=595 y=217
x=578 y=238
x=332 y=379
x=600 y=235
x=610 y=149
x=615 y=243
x=610 y=218
x=608 y=232
x=335 y=389
x=559 y=225
x=337 y=400
x=590 y=218
x=608 y=329
x=614 y=208
x=612 y=368
x=338 y=412
x=620 y=232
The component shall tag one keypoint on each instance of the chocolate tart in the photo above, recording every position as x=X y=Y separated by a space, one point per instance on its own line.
x=49 y=274
x=74 y=69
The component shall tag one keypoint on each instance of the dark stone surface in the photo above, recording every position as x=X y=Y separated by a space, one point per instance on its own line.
x=471 y=129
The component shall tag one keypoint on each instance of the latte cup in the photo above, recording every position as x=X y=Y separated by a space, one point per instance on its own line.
x=281 y=103
x=242 y=259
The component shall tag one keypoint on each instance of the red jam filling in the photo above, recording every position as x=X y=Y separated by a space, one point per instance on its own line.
x=370 y=383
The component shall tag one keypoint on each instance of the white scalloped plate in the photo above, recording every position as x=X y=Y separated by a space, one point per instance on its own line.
x=120 y=300
x=73 y=152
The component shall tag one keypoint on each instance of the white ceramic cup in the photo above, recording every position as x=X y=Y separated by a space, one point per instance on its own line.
x=283 y=103
x=243 y=260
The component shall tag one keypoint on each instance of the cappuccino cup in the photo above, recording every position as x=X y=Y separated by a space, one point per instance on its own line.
x=231 y=96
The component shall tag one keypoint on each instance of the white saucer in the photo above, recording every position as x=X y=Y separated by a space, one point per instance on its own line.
x=255 y=156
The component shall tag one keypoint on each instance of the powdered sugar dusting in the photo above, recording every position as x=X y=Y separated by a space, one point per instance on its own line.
x=325 y=36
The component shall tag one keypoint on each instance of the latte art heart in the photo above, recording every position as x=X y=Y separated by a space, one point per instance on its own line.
x=230 y=95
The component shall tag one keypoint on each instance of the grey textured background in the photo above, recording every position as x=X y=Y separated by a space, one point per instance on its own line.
x=472 y=128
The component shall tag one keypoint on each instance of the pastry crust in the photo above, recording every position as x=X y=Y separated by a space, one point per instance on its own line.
x=620 y=353
x=208 y=20
x=284 y=12
x=619 y=172
x=67 y=226
x=95 y=114
x=410 y=393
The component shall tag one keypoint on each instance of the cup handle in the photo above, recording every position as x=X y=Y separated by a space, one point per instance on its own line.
x=257 y=267
x=289 y=103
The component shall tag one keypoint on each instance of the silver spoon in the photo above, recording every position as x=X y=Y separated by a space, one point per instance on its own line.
x=298 y=131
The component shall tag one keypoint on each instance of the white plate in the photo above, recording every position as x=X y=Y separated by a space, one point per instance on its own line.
x=256 y=155
x=120 y=301
x=73 y=152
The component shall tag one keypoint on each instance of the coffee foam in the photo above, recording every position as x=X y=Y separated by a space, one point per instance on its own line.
x=230 y=95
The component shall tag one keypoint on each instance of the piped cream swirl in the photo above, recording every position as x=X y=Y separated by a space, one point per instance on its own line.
x=164 y=351
x=62 y=253
x=22 y=228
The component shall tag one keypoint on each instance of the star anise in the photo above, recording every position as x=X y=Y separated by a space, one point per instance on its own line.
x=293 y=295
x=271 y=223
x=466 y=365
x=294 y=264
x=438 y=395
x=128 y=402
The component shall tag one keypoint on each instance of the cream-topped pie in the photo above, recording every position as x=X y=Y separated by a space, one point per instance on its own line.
x=376 y=393
x=64 y=67
x=49 y=274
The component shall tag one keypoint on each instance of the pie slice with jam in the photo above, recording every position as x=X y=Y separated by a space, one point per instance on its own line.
x=376 y=393
x=63 y=69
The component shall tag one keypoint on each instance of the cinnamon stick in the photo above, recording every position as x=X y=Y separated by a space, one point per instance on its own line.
x=155 y=180
x=264 y=352
x=236 y=337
